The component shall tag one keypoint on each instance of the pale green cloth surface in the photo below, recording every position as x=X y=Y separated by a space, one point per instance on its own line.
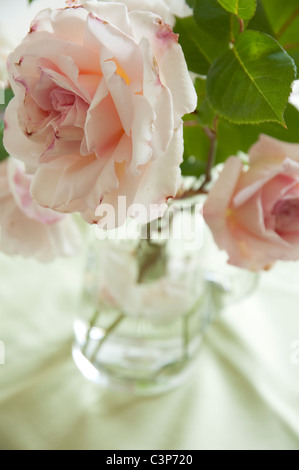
x=244 y=394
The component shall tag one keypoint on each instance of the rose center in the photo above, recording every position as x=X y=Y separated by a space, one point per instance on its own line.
x=286 y=213
x=62 y=100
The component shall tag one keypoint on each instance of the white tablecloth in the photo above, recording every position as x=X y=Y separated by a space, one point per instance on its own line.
x=244 y=395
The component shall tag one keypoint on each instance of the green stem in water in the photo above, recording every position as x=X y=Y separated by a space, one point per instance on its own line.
x=108 y=331
x=91 y=325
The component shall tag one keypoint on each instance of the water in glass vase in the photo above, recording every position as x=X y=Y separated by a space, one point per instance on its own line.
x=145 y=306
x=147 y=301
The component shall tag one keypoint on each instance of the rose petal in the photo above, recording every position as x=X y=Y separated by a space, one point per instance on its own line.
x=122 y=47
x=171 y=62
x=156 y=182
x=33 y=235
x=270 y=150
x=16 y=143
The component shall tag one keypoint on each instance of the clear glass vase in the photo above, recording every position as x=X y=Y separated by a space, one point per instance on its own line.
x=148 y=298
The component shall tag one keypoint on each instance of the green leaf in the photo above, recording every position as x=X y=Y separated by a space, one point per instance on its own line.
x=283 y=18
x=294 y=53
x=244 y=9
x=252 y=82
x=190 y=3
x=200 y=86
x=260 y=21
x=290 y=39
x=3 y=153
x=281 y=13
x=152 y=261
x=233 y=138
x=196 y=57
x=212 y=19
x=205 y=113
x=200 y=48
x=196 y=150
x=8 y=95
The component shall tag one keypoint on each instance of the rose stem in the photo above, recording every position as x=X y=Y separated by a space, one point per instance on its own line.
x=287 y=23
x=91 y=325
x=107 y=333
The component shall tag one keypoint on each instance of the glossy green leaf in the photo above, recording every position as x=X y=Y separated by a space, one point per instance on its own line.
x=8 y=94
x=260 y=21
x=244 y=9
x=213 y=19
x=196 y=150
x=197 y=59
x=294 y=53
x=3 y=153
x=205 y=113
x=283 y=19
x=290 y=40
x=233 y=138
x=200 y=48
x=252 y=82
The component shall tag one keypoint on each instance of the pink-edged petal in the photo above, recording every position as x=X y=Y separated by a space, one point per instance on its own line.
x=73 y=183
x=46 y=45
x=175 y=74
x=160 y=98
x=115 y=13
x=31 y=236
x=251 y=217
x=156 y=6
x=120 y=93
x=65 y=82
x=69 y=23
x=89 y=140
x=157 y=181
x=275 y=190
x=103 y=128
x=286 y=214
x=142 y=133
x=19 y=183
x=42 y=22
x=171 y=61
x=268 y=150
x=102 y=34
x=15 y=141
x=222 y=193
x=259 y=174
x=58 y=148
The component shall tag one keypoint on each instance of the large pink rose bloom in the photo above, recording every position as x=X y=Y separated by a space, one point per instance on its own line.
x=99 y=97
x=27 y=229
x=254 y=214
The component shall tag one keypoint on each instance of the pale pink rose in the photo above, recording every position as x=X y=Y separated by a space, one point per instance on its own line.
x=167 y=9
x=99 y=97
x=254 y=214
x=26 y=228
